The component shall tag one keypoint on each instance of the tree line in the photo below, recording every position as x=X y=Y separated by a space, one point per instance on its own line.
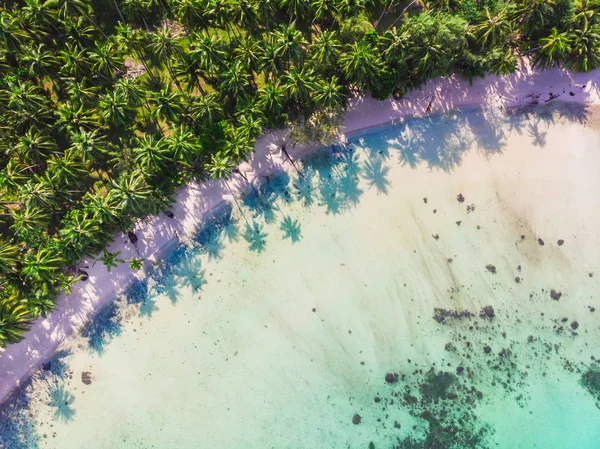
x=106 y=107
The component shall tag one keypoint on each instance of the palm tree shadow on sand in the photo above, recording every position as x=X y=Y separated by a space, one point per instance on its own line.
x=61 y=401
x=291 y=229
x=255 y=236
x=375 y=173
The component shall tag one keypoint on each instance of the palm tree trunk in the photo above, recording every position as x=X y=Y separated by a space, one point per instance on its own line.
x=119 y=11
x=291 y=161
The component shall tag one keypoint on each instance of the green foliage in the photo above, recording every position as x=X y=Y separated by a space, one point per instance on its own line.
x=107 y=107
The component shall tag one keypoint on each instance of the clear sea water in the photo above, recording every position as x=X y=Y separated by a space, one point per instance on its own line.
x=361 y=305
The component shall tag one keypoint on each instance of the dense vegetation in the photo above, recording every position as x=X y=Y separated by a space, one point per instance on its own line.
x=107 y=106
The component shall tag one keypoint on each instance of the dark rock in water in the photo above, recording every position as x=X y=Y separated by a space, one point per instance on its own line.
x=518 y=280
x=522 y=237
x=436 y=385
x=479 y=395
x=592 y=309
x=458 y=223
x=132 y=237
x=356 y=419
x=47 y=366
x=436 y=236
x=519 y=268
x=314 y=309
x=487 y=349
x=451 y=396
x=491 y=268
x=540 y=242
x=591 y=275
x=560 y=242
x=459 y=370
x=440 y=315
x=590 y=380
x=460 y=198
x=396 y=425
x=391 y=378
x=487 y=312
x=377 y=399
x=86 y=377
x=434 y=211
x=84 y=275
x=470 y=208
x=574 y=325
x=425 y=200
x=555 y=295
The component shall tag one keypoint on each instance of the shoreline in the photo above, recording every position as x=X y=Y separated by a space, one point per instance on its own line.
x=195 y=202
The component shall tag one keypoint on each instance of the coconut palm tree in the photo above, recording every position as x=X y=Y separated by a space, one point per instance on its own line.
x=115 y=110
x=15 y=319
x=325 y=49
x=235 y=79
x=361 y=65
x=328 y=94
x=552 y=50
x=299 y=83
x=207 y=109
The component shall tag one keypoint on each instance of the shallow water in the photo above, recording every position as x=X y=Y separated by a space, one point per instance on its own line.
x=275 y=328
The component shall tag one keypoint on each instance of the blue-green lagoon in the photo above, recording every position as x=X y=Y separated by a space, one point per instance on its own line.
x=431 y=284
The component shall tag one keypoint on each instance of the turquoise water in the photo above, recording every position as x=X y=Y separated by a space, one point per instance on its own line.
x=361 y=287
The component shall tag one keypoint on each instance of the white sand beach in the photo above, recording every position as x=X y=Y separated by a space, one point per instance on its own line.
x=159 y=234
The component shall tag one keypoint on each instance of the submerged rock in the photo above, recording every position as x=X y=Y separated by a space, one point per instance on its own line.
x=86 y=377
x=391 y=378
x=560 y=242
x=487 y=312
x=460 y=198
x=540 y=242
x=440 y=315
x=574 y=325
x=555 y=295
x=356 y=419
x=517 y=279
x=491 y=268
x=487 y=349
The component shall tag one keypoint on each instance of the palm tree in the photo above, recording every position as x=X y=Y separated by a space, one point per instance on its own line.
x=106 y=59
x=299 y=83
x=295 y=8
x=207 y=109
x=115 y=110
x=14 y=320
x=235 y=79
x=328 y=94
x=34 y=146
x=585 y=13
x=151 y=155
x=9 y=256
x=272 y=98
x=183 y=146
x=74 y=60
x=208 y=52
x=361 y=65
x=165 y=46
x=237 y=145
x=495 y=28
x=289 y=43
x=552 y=50
x=167 y=104
x=585 y=49
x=39 y=61
x=111 y=260
x=248 y=51
x=325 y=49
x=131 y=192
x=71 y=118
x=81 y=234
x=41 y=265
x=221 y=167
x=190 y=70
x=88 y=145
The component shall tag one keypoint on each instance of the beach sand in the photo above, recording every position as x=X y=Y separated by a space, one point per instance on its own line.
x=246 y=339
x=495 y=95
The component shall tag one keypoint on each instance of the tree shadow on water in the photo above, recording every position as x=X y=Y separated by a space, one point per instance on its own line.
x=255 y=237
x=304 y=186
x=17 y=424
x=291 y=229
x=105 y=326
x=211 y=238
x=61 y=401
x=375 y=173
x=148 y=307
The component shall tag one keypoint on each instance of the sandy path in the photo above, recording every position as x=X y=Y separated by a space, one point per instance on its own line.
x=158 y=234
